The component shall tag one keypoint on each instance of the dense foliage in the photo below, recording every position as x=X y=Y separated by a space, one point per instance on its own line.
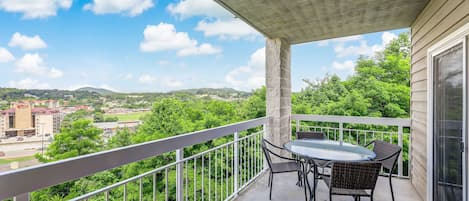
x=379 y=88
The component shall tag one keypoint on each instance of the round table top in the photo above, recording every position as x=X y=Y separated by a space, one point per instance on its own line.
x=329 y=150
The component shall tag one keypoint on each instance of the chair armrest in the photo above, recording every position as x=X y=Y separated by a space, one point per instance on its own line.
x=273 y=145
x=388 y=157
x=282 y=157
x=367 y=145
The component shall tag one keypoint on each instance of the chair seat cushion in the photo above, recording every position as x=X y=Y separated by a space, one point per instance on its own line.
x=285 y=167
x=342 y=191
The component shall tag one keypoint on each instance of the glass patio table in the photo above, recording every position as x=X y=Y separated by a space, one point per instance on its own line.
x=326 y=150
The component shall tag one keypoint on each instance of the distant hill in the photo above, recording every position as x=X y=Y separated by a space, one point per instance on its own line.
x=10 y=94
x=96 y=90
x=88 y=94
x=221 y=92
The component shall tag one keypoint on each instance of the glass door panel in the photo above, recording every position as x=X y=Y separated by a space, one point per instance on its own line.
x=448 y=116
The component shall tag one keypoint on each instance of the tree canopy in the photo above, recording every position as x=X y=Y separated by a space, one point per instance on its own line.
x=380 y=87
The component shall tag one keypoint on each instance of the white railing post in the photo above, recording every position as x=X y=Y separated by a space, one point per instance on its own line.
x=22 y=197
x=264 y=134
x=399 y=142
x=297 y=127
x=409 y=155
x=236 y=162
x=179 y=175
x=341 y=132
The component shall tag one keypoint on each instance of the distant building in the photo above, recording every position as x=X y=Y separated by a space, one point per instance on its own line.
x=24 y=120
x=111 y=128
x=124 y=110
x=72 y=109
x=37 y=103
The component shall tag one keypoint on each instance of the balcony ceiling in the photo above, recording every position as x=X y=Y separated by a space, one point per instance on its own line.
x=301 y=21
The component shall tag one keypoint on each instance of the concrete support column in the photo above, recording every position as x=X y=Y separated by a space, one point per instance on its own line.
x=278 y=84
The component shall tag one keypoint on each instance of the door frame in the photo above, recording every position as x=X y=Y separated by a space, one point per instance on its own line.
x=459 y=36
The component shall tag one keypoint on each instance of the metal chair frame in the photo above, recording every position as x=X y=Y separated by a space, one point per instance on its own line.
x=299 y=171
x=387 y=160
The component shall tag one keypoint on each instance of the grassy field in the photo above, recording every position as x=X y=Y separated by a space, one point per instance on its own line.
x=128 y=117
x=19 y=159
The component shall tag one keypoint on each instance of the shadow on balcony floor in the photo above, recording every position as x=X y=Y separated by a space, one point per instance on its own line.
x=286 y=190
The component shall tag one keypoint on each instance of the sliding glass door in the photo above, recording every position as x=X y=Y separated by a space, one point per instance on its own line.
x=448 y=124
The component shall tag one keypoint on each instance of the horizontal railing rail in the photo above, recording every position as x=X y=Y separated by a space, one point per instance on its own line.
x=23 y=181
x=353 y=120
x=344 y=128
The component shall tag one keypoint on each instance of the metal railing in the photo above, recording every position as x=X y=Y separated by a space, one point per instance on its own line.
x=218 y=173
x=361 y=131
x=215 y=174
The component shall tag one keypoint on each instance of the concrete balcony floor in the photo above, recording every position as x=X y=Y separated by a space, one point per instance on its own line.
x=286 y=190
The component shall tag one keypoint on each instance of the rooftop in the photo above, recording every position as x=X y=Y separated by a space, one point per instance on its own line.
x=36 y=110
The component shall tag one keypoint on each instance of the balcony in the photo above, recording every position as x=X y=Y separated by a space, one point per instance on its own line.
x=233 y=170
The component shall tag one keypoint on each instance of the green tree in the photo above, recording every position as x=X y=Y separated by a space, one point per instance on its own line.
x=121 y=139
x=98 y=117
x=380 y=87
x=80 y=138
x=68 y=119
x=254 y=106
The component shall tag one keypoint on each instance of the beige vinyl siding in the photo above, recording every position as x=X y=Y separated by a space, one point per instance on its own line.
x=437 y=20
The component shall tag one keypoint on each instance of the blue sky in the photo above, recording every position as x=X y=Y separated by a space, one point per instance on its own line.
x=150 y=45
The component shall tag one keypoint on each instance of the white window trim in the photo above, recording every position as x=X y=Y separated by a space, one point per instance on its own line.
x=458 y=36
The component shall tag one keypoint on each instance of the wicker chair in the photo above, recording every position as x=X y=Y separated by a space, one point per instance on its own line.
x=288 y=165
x=357 y=179
x=387 y=154
x=310 y=135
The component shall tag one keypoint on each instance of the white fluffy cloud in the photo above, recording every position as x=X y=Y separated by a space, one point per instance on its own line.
x=387 y=37
x=28 y=83
x=344 y=66
x=218 y=21
x=33 y=64
x=126 y=7
x=203 y=49
x=164 y=37
x=164 y=82
x=26 y=42
x=251 y=75
x=5 y=55
x=35 y=8
x=363 y=48
x=189 y=8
